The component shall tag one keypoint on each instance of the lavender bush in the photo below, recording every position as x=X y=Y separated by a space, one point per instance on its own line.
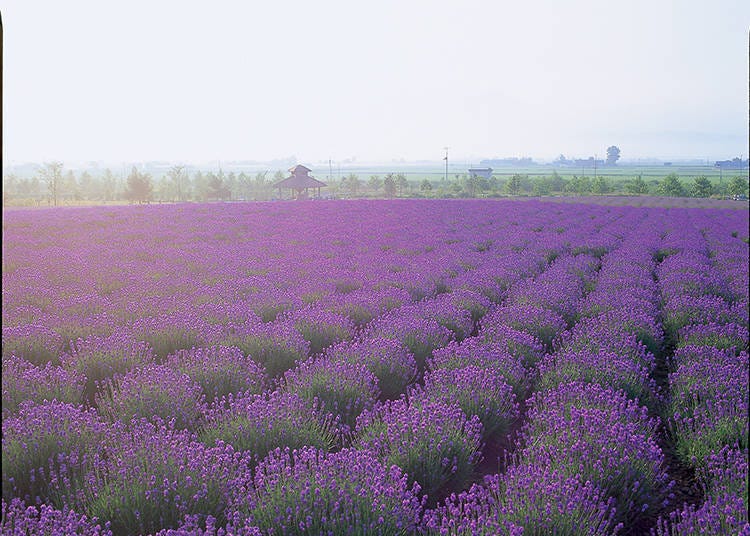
x=343 y=389
x=22 y=381
x=100 y=358
x=433 y=442
x=18 y=518
x=392 y=364
x=43 y=439
x=275 y=346
x=258 y=424
x=153 y=392
x=220 y=370
x=307 y=491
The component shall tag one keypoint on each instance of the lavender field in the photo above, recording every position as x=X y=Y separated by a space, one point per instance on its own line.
x=459 y=367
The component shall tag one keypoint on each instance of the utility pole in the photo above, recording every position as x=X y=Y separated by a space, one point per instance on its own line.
x=446 y=163
x=330 y=170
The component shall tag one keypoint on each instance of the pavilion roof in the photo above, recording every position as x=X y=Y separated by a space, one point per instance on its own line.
x=298 y=182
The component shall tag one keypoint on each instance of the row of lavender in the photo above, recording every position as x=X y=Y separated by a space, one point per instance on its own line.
x=704 y=288
x=347 y=397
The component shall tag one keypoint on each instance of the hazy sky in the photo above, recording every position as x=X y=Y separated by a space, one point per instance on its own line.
x=195 y=81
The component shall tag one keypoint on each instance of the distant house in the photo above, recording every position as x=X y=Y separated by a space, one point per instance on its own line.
x=485 y=172
x=299 y=182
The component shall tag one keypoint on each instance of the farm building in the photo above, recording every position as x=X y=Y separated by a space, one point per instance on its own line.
x=299 y=182
x=485 y=172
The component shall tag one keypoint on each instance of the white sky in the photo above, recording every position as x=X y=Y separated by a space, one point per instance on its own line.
x=194 y=81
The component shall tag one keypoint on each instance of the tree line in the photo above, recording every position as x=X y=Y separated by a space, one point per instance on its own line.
x=53 y=186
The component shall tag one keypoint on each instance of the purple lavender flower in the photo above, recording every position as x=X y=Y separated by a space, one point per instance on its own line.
x=421 y=336
x=342 y=388
x=18 y=518
x=479 y=391
x=545 y=324
x=258 y=424
x=220 y=370
x=99 y=358
x=43 y=440
x=527 y=499
x=599 y=434
x=492 y=356
x=319 y=327
x=722 y=336
x=391 y=362
x=276 y=346
x=433 y=442
x=153 y=392
x=168 y=333
x=152 y=476
x=606 y=368
x=307 y=491
x=37 y=344
x=22 y=381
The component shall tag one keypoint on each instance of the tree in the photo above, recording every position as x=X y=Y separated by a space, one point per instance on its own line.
x=179 y=178
x=51 y=173
x=637 y=186
x=579 y=185
x=375 y=182
x=109 y=185
x=140 y=188
x=557 y=183
x=401 y=182
x=671 y=186
x=389 y=185
x=702 y=187
x=542 y=186
x=352 y=183
x=600 y=186
x=738 y=186
x=514 y=184
x=613 y=155
x=217 y=187
x=426 y=185
x=69 y=186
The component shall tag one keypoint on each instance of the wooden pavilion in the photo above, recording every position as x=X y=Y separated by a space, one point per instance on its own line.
x=299 y=182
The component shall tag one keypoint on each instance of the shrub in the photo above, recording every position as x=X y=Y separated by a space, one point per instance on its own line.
x=421 y=336
x=23 y=381
x=392 y=364
x=576 y=423
x=260 y=423
x=275 y=346
x=37 y=344
x=708 y=406
x=493 y=357
x=169 y=333
x=154 y=391
x=319 y=327
x=477 y=391
x=605 y=368
x=433 y=442
x=99 y=358
x=220 y=370
x=153 y=476
x=724 y=479
x=544 y=324
x=42 y=439
x=527 y=499
x=18 y=518
x=721 y=336
x=343 y=389
x=307 y=491
x=522 y=346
